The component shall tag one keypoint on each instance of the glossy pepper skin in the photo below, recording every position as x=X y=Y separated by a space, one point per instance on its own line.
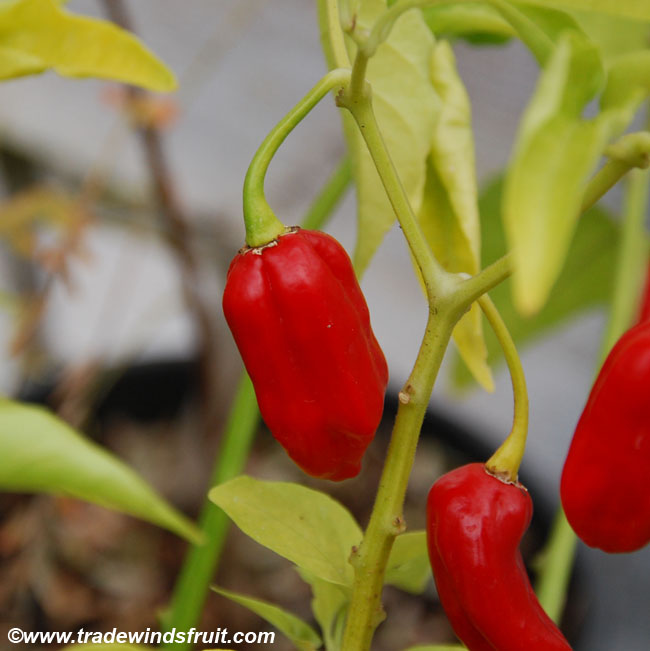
x=302 y=327
x=475 y=523
x=605 y=485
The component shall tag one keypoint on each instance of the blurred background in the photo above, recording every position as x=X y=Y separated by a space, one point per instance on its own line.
x=128 y=211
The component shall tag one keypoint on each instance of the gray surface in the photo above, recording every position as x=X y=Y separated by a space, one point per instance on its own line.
x=260 y=58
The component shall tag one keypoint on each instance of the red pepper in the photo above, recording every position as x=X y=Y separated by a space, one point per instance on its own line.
x=475 y=523
x=605 y=484
x=302 y=327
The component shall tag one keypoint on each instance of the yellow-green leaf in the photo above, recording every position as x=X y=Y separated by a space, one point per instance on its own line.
x=452 y=149
x=329 y=605
x=40 y=453
x=303 y=636
x=474 y=20
x=555 y=153
x=538 y=28
x=39 y=34
x=304 y=525
x=405 y=104
x=614 y=35
x=639 y=9
x=408 y=565
x=628 y=81
x=586 y=280
x=16 y=63
x=449 y=210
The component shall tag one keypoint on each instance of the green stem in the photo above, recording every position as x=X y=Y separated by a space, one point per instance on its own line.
x=629 y=151
x=437 y=281
x=631 y=261
x=383 y=25
x=358 y=85
x=262 y=226
x=506 y=460
x=201 y=561
x=329 y=197
x=332 y=34
x=557 y=563
x=606 y=178
x=560 y=551
x=386 y=521
x=474 y=287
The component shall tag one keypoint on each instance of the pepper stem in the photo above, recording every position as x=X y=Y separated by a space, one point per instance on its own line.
x=505 y=462
x=262 y=225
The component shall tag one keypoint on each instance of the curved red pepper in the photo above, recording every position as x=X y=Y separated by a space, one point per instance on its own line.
x=475 y=523
x=303 y=330
x=605 y=486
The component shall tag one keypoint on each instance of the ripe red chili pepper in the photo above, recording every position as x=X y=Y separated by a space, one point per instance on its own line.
x=605 y=486
x=475 y=523
x=302 y=327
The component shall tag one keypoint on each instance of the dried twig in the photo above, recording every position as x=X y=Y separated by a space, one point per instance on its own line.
x=179 y=239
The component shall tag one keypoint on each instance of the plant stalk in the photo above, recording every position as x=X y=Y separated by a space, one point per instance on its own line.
x=437 y=281
x=201 y=561
x=386 y=521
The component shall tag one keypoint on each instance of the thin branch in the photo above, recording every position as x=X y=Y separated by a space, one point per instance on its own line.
x=178 y=238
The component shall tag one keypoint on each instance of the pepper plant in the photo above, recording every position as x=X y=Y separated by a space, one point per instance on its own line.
x=391 y=56
x=303 y=328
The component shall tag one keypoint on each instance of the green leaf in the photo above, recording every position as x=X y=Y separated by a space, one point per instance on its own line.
x=329 y=605
x=614 y=35
x=408 y=565
x=628 y=81
x=554 y=155
x=305 y=526
x=639 y=9
x=40 y=453
x=303 y=636
x=586 y=280
x=538 y=28
x=39 y=34
x=405 y=104
x=474 y=21
x=449 y=212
